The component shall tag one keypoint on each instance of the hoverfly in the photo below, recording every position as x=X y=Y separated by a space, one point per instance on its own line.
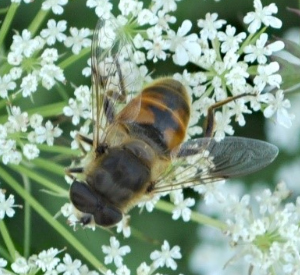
x=138 y=146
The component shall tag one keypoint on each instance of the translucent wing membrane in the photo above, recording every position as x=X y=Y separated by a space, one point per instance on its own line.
x=204 y=160
x=114 y=75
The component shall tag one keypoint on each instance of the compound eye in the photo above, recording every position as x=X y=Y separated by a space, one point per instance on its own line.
x=108 y=216
x=83 y=198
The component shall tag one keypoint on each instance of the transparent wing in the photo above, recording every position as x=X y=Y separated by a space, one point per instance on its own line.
x=204 y=160
x=114 y=75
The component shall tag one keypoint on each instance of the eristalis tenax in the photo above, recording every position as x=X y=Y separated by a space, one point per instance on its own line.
x=138 y=146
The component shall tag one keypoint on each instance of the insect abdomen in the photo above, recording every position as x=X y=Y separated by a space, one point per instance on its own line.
x=163 y=114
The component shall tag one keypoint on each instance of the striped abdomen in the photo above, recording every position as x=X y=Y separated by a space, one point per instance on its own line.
x=159 y=115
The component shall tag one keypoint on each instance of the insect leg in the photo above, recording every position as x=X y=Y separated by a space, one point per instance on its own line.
x=80 y=138
x=73 y=170
x=210 y=119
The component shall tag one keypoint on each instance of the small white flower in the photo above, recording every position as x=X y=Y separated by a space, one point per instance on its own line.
x=182 y=208
x=156 y=49
x=222 y=126
x=123 y=270
x=230 y=41
x=262 y=15
x=114 y=252
x=146 y=17
x=9 y=153
x=3 y=132
x=237 y=207
x=78 y=39
x=54 y=31
x=6 y=205
x=124 y=227
x=85 y=271
x=31 y=151
x=211 y=191
x=165 y=19
x=87 y=70
x=237 y=75
x=238 y=109
x=266 y=76
x=184 y=47
x=29 y=85
x=15 y=58
x=260 y=50
x=67 y=209
x=279 y=105
x=47 y=133
x=23 y=44
x=51 y=73
x=83 y=94
x=69 y=267
x=268 y=202
x=150 y=204
x=20 y=265
x=210 y=26
x=166 y=256
x=35 y=120
x=102 y=7
x=17 y=121
x=128 y=6
x=166 y=5
x=55 y=5
x=3 y=263
x=6 y=84
x=46 y=259
x=15 y=73
x=49 y=56
x=76 y=110
x=143 y=269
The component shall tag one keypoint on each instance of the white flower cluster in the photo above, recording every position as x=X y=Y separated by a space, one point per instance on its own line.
x=46 y=262
x=268 y=238
x=262 y=231
x=19 y=122
x=164 y=258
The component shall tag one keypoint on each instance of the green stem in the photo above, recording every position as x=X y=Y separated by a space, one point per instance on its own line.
x=54 y=168
x=196 y=217
x=7 y=240
x=4 y=253
x=66 y=234
x=48 y=110
x=27 y=219
x=62 y=92
x=73 y=58
x=37 y=21
x=58 y=149
x=7 y=21
x=40 y=179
